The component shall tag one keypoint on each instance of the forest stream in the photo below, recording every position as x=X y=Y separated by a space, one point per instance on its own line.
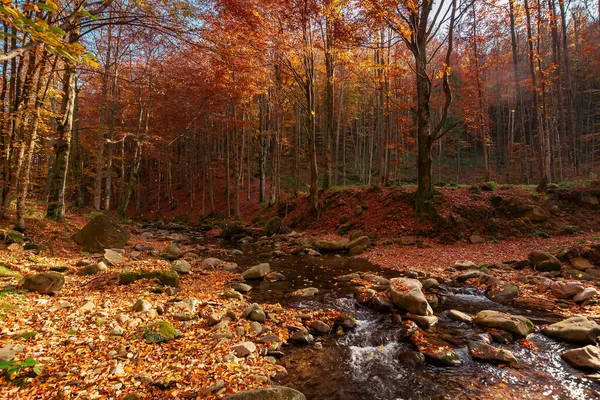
x=370 y=362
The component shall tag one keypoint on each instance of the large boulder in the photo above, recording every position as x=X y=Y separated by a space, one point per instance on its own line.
x=566 y=289
x=574 y=329
x=270 y=393
x=516 y=324
x=544 y=261
x=9 y=236
x=362 y=241
x=181 y=267
x=44 y=283
x=537 y=214
x=503 y=294
x=257 y=272
x=101 y=233
x=406 y=294
x=585 y=357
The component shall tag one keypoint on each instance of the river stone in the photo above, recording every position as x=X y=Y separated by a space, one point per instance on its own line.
x=270 y=393
x=544 y=261
x=459 y=316
x=587 y=293
x=141 y=305
x=44 y=283
x=243 y=349
x=574 y=329
x=356 y=250
x=566 y=289
x=380 y=303
x=430 y=283
x=422 y=321
x=581 y=263
x=240 y=287
x=362 y=241
x=254 y=313
x=504 y=294
x=347 y=278
x=516 y=324
x=302 y=336
x=585 y=357
x=331 y=245
x=257 y=272
x=406 y=294
x=439 y=354
x=411 y=358
x=306 y=292
x=483 y=351
x=101 y=233
x=232 y=294
x=320 y=327
x=364 y=295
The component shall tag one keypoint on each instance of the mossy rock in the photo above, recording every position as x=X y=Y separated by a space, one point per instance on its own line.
x=166 y=278
x=159 y=332
x=273 y=226
x=182 y=218
x=11 y=236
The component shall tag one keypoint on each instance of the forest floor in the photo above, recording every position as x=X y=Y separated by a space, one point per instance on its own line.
x=88 y=341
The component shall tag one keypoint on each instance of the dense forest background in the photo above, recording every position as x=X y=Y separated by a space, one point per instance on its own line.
x=146 y=107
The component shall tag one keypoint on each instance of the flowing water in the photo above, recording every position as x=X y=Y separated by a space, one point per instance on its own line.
x=370 y=363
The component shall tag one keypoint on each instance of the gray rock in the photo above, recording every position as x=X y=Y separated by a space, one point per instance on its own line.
x=581 y=263
x=232 y=294
x=101 y=233
x=257 y=272
x=302 y=336
x=243 y=349
x=364 y=295
x=240 y=287
x=256 y=328
x=504 y=294
x=320 y=327
x=44 y=283
x=423 y=321
x=516 y=324
x=111 y=257
x=141 y=305
x=587 y=293
x=356 y=250
x=254 y=313
x=181 y=267
x=486 y=352
x=270 y=393
x=566 y=289
x=331 y=245
x=544 y=261
x=430 y=283
x=406 y=294
x=211 y=262
x=464 y=266
x=172 y=252
x=459 y=316
x=362 y=241
x=574 y=329
x=585 y=357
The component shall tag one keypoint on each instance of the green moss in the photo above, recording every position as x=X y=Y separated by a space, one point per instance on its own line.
x=26 y=335
x=6 y=272
x=182 y=218
x=159 y=332
x=166 y=278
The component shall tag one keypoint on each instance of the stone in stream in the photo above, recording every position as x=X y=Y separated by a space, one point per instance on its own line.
x=574 y=329
x=459 y=316
x=320 y=327
x=464 y=266
x=270 y=393
x=364 y=295
x=380 y=303
x=516 y=324
x=430 y=283
x=347 y=278
x=544 y=261
x=486 y=352
x=240 y=287
x=585 y=357
x=406 y=294
x=438 y=353
x=471 y=274
x=411 y=358
x=331 y=245
x=257 y=272
x=503 y=294
x=566 y=289
x=356 y=250
x=581 y=264
x=274 y=277
x=423 y=321
x=362 y=241
x=306 y=292
x=44 y=283
x=302 y=336
x=101 y=233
